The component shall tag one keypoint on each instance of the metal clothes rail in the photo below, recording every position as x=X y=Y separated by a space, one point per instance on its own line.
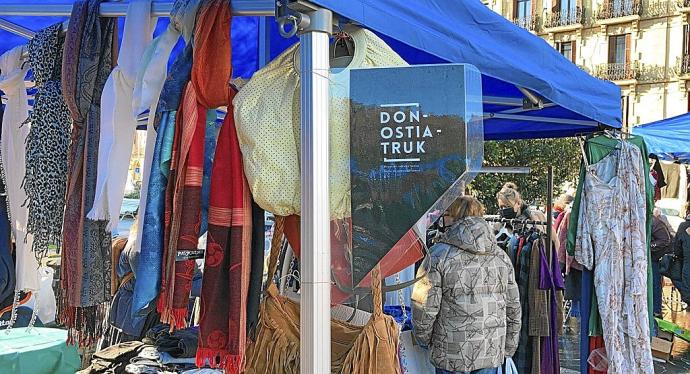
x=514 y=221
x=119 y=9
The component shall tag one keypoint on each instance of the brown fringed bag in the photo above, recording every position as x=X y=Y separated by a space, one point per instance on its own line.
x=372 y=348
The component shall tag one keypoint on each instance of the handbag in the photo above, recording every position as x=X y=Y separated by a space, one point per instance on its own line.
x=510 y=367
x=372 y=348
x=671 y=266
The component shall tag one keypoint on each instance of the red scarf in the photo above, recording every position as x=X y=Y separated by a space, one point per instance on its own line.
x=222 y=330
x=208 y=88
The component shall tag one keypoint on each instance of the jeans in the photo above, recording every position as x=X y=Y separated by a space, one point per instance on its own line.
x=478 y=371
x=656 y=285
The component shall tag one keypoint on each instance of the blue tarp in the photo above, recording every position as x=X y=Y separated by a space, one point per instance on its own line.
x=438 y=31
x=669 y=139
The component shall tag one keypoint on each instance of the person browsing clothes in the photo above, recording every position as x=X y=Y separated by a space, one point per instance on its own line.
x=466 y=306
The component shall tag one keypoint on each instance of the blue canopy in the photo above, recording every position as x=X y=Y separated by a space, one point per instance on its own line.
x=436 y=31
x=669 y=139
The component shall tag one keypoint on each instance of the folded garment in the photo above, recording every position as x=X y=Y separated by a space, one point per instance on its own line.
x=166 y=359
x=181 y=343
x=113 y=359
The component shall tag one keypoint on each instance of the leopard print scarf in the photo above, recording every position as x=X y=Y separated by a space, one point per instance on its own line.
x=47 y=143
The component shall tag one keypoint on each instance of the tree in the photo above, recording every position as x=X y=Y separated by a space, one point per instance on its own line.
x=563 y=154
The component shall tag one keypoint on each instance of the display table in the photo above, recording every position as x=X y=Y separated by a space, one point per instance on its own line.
x=42 y=350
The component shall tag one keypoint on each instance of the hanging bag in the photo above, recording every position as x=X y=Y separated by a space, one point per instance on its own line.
x=372 y=348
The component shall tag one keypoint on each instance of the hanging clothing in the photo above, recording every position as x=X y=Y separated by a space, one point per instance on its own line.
x=269 y=104
x=611 y=233
x=150 y=265
x=596 y=148
x=223 y=326
x=7 y=271
x=90 y=50
x=15 y=130
x=182 y=209
x=162 y=97
x=206 y=89
x=118 y=123
x=550 y=278
x=47 y=144
x=148 y=84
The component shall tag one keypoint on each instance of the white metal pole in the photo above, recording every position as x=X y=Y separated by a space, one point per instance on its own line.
x=315 y=298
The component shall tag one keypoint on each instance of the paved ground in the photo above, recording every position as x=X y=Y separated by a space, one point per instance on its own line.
x=680 y=363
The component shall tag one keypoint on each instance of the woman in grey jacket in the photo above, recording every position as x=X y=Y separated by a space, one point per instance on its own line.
x=466 y=308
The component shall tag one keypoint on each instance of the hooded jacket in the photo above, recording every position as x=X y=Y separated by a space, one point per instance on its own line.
x=466 y=308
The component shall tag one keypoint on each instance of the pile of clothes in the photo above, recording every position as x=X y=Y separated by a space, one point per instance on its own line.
x=160 y=352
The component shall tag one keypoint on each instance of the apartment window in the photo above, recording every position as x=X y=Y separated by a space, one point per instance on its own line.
x=567 y=49
x=567 y=6
x=686 y=40
x=619 y=49
x=523 y=8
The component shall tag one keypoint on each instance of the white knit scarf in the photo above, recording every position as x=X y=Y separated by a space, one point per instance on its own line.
x=118 y=123
x=13 y=153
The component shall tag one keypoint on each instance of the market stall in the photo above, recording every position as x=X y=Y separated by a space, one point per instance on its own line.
x=523 y=97
x=669 y=138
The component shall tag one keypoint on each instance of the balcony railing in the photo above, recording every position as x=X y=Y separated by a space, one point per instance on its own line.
x=684 y=65
x=617 y=72
x=683 y=3
x=619 y=8
x=658 y=8
x=652 y=73
x=565 y=18
x=530 y=23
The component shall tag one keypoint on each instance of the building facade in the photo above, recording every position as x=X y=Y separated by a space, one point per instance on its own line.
x=641 y=46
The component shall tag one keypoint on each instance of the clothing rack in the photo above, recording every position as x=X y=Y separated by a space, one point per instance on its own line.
x=514 y=221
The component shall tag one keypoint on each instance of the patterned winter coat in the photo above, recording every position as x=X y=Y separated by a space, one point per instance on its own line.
x=466 y=309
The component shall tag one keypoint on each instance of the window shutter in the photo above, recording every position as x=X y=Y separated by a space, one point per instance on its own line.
x=612 y=49
x=556 y=8
x=627 y=48
x=515 y=9
x=573 y=51
x=685 y=40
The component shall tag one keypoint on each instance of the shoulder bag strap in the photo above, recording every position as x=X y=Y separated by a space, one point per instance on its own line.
x=276 y=241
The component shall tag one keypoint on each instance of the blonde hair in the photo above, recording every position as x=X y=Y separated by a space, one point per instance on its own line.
x=465 y=206
x=509 y=195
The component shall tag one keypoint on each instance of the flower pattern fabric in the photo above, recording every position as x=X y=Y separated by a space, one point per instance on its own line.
x=612 y=235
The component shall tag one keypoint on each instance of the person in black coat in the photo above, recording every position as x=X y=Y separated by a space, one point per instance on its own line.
x=681 y=248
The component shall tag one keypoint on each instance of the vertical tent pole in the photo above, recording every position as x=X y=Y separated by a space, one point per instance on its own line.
x=315 y=331
x=264 y=40
x=549 y=210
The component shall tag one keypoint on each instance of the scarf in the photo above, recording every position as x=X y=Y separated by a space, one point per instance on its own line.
x=222 y=332
x=153 y=93
x=47 y=143
x=90 y=49
x=206 y=89
x=7 y=272
x=149 y=275
x=13 y=154
x=222 y=326
x=118 y=123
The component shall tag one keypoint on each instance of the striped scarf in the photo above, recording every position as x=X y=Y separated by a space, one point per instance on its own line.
x=207 y=89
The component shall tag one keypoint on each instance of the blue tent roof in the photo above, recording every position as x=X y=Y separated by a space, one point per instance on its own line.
x=669 y=139
x=437 y=31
